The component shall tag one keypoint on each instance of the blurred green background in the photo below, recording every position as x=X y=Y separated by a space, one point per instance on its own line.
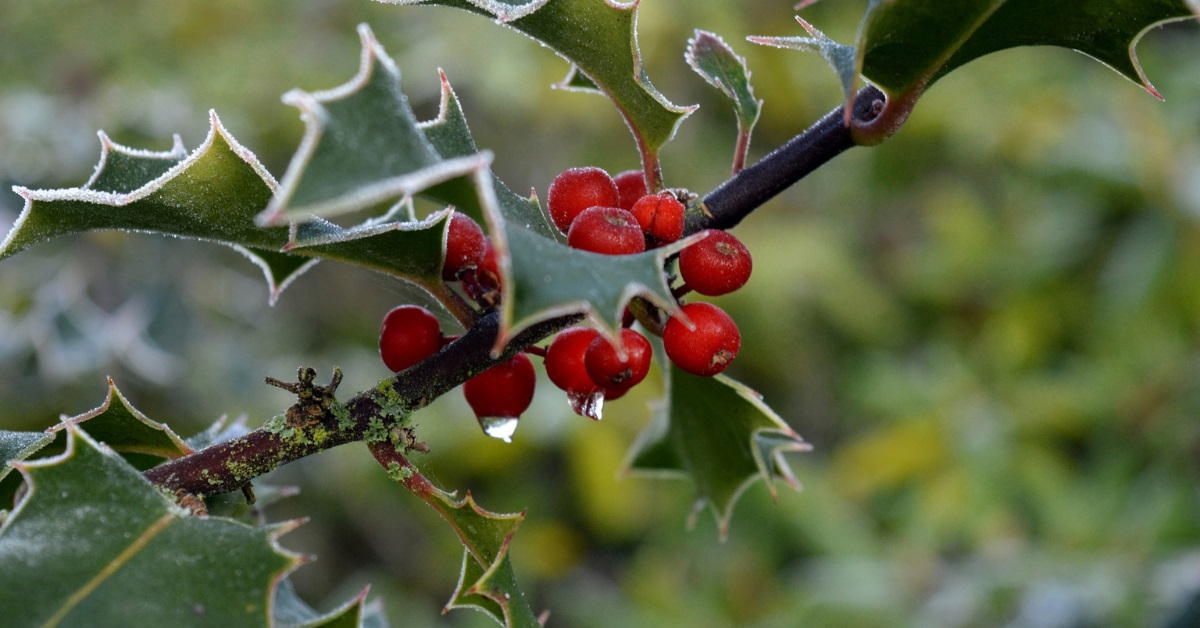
x=988 y=327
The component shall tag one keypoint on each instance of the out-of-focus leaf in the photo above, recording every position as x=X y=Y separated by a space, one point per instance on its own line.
x=908 y=43
x=599 y=39
x=15 y=447
x=94 y=543
x=718 y=433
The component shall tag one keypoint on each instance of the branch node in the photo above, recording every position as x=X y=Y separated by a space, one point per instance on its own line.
x=313 y=401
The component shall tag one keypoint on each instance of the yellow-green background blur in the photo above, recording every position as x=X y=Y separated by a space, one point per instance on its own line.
x=988 y=327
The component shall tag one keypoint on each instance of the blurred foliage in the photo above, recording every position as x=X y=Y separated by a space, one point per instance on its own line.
x=988 y=327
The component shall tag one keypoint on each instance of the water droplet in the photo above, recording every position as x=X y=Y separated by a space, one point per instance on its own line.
x=590 y=406
x=501 y=427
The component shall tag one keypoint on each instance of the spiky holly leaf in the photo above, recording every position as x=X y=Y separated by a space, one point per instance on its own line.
x=718 y=433
x=543 y=278
x=905 y=45
x=214 y=194
x=290 y=611
x=121 y=172
x=551 y=279
x=722 y=68
x=491 y=591
x=94 y=543
x=840 y=57
x=486 y=582
x=116 y=423
x=361 y=146
x=599 y=39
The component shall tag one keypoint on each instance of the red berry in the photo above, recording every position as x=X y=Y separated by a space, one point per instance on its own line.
x=708 y=346
x=409 y=334
x=606 y=230
x=489 y=268
x=576 y=190
x=716 y=265
x=609 y=370
x=564 y=360
x=503 y=391
x=612 y=394
x=631 y=185
x=660 y=216
x=465 y=246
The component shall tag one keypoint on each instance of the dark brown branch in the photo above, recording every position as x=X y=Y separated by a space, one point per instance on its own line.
x=747 y=190
x=228 y=466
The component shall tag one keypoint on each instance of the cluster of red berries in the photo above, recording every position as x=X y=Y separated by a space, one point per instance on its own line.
x=615 y=216
x=609 y=216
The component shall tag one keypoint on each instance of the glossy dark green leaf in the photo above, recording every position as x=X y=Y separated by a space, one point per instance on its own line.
x=719 y=434
x=125 y=430
x=93 y=543
x=599 y=39
x=904 y=46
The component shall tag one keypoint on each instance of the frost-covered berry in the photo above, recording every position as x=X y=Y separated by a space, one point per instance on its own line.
x=660 y=217
x=610 y=370
x=564 y=360
x=708 y=345
x=606 y=230
x=577 y=189
x=409 y=334
x=716 y=265
x=631 y=185
x=504 y=390
x=466 y=246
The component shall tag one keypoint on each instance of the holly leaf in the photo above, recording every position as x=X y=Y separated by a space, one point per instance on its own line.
x=542 y=277
x=718 y=433
x=361 y=146
x=904 y=46
x=94 y=543
x=486 y=582
x=599 y=39
x=722 y=68
x=289 y=611
x=119 y=176
x=116 y=423
x=842 y=59
x=15 y=447
x=550 y=279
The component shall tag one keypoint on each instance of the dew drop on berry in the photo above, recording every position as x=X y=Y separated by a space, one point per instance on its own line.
x=501 y=427
x=590 y=406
